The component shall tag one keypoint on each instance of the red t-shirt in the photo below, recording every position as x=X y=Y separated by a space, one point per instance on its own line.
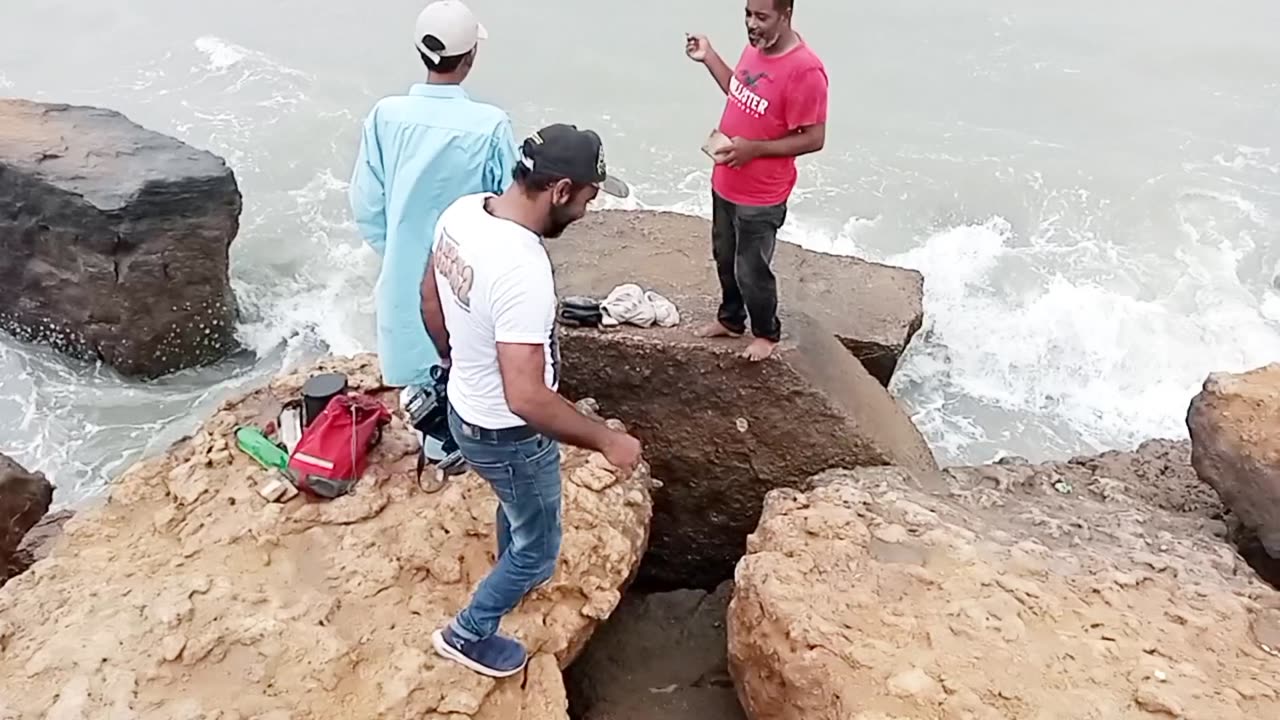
x=769 y=98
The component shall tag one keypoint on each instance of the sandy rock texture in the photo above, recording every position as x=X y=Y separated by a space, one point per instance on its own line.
x=720 y=431
x=24 y=499
x=1005 y=592
x=114 y=239
x=1235 y=434
x=873 y=309
x=187 y=596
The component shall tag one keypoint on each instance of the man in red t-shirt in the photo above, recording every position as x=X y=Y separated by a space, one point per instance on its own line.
x=776 y=111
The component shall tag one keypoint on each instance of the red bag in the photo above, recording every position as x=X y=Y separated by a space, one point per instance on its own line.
x=334 y=450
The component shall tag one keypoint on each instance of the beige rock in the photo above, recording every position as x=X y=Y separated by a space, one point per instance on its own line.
x=809 y=408
x=868 y=598
x=231 y=607
x=1235 y=436
x=873 y=309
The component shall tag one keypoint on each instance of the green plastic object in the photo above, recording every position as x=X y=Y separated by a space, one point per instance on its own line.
x=256 y=445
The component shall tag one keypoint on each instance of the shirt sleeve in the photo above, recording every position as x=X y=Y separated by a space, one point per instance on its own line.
x=367 y=193
x=807 y=99
x=502 y=159
x=524 y=305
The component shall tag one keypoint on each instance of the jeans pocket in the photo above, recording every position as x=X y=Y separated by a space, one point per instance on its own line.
x=538 y=450
x=757 y=217
x=495 y=472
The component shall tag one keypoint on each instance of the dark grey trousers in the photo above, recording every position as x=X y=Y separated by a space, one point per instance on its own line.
x=742 y=241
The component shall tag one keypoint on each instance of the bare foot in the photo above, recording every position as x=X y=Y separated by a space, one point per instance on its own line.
x=716 y=330
x=759 y=349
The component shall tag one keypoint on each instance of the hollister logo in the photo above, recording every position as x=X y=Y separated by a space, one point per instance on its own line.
x=742 y=93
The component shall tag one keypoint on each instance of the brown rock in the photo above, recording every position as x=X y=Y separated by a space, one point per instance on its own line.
x=24 y=499
x=1157 y=473
x=39 y=541
x=228 y=606
x=114 y=239
x=868 y=598
x=720 y=431
x=873 y=309
x=1235 y=437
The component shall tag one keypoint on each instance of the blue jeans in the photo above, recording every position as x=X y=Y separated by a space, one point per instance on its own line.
x=525 y=475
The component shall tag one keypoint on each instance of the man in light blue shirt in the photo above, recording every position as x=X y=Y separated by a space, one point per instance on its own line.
x=420 y=152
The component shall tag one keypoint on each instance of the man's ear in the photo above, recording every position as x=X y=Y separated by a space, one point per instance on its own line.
x=562 y=191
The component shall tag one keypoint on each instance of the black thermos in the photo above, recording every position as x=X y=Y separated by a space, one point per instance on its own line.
x=317 y=392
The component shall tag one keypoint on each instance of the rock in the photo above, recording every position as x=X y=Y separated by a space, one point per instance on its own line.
x=1236 y=447
x=40 y=539
x=229 y=606
x=660 y=655
x=873 y=309
x=720 y=431
x=24 y=499
x=868 y=598
x=114 y=240
x=1157 y=473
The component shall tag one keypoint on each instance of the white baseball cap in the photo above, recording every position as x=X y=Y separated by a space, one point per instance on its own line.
x=451 y=27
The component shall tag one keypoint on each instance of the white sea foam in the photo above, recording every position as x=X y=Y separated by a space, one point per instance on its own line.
x=222 y=55
x=1091 y=367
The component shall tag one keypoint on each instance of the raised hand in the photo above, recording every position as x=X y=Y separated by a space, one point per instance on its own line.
x=697 y=47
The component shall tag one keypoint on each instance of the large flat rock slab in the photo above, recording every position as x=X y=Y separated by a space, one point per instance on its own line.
x=114 y=239
x=720 y=431
x=873 y=309
x=1008 y=591
x=188 y=596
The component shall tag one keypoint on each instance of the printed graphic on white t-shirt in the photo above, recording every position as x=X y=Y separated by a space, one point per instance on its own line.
x=496 y=285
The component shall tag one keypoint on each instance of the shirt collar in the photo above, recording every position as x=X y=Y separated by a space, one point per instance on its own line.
x=437 y=91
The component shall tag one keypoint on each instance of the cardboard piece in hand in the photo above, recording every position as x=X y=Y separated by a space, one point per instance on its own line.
x=717 y=143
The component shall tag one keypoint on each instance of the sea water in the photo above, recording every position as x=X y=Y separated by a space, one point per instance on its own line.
x=1091 y=190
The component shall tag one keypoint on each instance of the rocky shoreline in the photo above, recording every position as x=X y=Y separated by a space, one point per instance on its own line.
x=810 y=559
x=186 y=595
x=890 y=588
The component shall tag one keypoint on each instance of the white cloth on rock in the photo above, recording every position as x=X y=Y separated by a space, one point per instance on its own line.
x=629 y=303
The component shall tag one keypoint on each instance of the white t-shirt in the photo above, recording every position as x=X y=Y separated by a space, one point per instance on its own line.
x=496 y=285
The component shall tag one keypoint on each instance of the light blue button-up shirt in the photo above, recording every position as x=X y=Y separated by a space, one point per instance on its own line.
x=418 y=154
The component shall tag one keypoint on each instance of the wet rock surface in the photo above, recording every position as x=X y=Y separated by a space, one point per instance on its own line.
x=871 y=598
x=720 y=431
x=873 y=309
x=114 y=240
x=188 y=596
x=24 y=499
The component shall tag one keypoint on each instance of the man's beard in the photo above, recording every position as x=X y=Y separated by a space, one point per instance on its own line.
x=763 y=42
x=560 y=221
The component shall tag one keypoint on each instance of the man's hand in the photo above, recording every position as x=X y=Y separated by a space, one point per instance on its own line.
x=740 y=152
x=623 y=452
x=697 y=47
x=699 y=50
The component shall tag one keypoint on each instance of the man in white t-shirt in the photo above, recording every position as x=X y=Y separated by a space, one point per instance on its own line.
x=489 y=303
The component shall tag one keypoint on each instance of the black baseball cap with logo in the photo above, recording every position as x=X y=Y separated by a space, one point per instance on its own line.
x=565 y=151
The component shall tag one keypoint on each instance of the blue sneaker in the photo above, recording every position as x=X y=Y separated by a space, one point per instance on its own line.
x=495 y=656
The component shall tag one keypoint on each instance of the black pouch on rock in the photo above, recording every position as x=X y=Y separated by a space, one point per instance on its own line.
x=580 y=311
